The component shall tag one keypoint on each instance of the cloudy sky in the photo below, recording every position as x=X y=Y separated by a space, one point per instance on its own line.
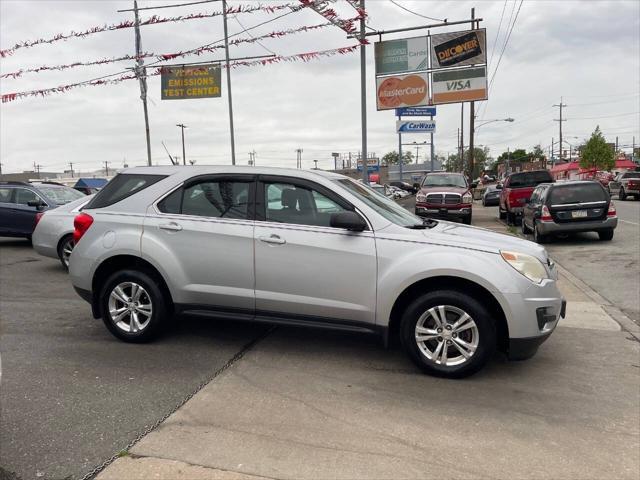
x=585 y=51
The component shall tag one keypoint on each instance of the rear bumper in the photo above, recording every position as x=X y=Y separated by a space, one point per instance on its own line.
x=546 y=228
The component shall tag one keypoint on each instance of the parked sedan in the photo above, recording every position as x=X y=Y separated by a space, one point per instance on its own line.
x=491 y=196
x=53 y=236
x=22 y=203
x=574 y=206
x=625 y=185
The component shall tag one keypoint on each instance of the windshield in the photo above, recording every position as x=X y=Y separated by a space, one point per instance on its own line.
x=381 y=204
x=452 y=180
x=61 y=195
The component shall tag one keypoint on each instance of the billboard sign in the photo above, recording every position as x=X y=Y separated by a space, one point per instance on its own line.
x=373 y=164
x=401 y=56
x=402 y=91
x=410 y=126
x=452 y=86
x=416 y=112
x=455 y=49
x=199 y=81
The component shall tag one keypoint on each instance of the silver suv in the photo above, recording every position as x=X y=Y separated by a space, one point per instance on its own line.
x=308 y=248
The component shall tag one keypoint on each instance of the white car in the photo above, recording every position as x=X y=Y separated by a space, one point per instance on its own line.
x=398 y=192
x=53 y=236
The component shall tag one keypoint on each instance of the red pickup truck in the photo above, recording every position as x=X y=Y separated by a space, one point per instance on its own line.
x=516 y=189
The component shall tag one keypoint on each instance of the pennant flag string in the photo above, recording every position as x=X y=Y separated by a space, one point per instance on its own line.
x=304 y=57
x=167 y=56
x=321 y=7
x=154 y=20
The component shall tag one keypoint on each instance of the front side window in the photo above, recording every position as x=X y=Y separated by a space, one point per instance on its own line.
x=289 y=203
x=24 y=196
x=210 y=198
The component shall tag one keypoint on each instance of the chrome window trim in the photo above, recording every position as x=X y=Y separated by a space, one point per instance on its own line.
x=561 y=205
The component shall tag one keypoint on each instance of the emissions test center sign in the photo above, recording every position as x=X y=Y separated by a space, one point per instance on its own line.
x=201 y=81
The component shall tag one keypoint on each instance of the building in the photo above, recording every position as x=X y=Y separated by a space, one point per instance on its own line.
x=573 y=171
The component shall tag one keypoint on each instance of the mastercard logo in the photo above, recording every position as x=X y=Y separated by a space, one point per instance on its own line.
x=394 y=91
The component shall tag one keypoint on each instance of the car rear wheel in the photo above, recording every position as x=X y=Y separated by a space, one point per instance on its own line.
x=133 y=306
x=606 y=235
x=448 y=333
x=537 y=236
x=622 y=195
x=65 y=247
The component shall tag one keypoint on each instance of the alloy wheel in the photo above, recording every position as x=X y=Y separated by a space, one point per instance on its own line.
x=447 y=335
x=130 y=307
x=67 y=248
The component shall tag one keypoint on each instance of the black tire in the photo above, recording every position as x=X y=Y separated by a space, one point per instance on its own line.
x=606 y=235
x=160 y=310
x=622 y=195
x=486 y=333
x=537 y=236
x=501 y=213
x=511 y=218
x=525 y=229
x=63 y=247
x=467 y=220
x=483 y=204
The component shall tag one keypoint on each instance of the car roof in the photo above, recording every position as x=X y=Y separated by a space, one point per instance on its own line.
x=228 y=169
x=445 y=173
x=572 y=182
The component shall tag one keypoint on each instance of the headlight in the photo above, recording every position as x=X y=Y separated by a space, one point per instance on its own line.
x=529 y=266
x=467 y=198
x=421 y=197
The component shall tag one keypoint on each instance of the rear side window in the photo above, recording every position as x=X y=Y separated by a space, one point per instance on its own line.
x=121 y=187
x=577 y=193
x=529 y=179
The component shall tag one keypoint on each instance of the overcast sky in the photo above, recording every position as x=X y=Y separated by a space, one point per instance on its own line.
x=587 y=52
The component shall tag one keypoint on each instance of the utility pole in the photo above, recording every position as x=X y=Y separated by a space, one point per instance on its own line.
x=506 y=170
x=616 y=144
x=71 y=165
x=553 y=162
x=472 y=115
x=299 y=158
x=363 y=95
x=141 y=73
x=560 y=120
x=226 y=58
x=184 y=156
x=462 y=136
x=417 y=154
x=1 y=168
x=316 y=162
x=400 y=159
x=106 y=168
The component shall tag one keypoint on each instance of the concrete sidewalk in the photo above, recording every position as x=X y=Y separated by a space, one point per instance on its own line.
x=305 y=404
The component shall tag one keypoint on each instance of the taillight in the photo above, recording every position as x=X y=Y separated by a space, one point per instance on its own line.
x=38 y=217
x=81 y=224
x=612 y=210
x=546 y=215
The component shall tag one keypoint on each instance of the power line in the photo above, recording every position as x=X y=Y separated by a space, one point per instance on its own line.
x=495 y=42
x=170 y=6
x=416 y=13
x=244 y=29
x=603 y=116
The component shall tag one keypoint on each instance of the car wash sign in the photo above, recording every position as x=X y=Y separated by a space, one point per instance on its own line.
x=455 y=49
x=198 y=81
x=408 y=126
x=451 y=86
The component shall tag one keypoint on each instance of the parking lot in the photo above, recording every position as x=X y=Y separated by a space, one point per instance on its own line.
x=293 y=403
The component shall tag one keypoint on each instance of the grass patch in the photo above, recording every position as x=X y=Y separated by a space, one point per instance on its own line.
x=123 y=453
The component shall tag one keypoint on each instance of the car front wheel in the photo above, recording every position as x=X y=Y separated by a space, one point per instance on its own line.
x=133 y=306
x=448 y=333
x=537 y=236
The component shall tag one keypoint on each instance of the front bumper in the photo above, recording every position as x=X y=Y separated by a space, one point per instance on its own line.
x=443 y=211
x=546 y=228
x=524 y=348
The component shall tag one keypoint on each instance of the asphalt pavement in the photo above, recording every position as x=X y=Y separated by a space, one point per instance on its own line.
x=72 y=395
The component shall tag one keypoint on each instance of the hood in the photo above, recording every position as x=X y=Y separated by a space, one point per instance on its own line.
x=443 y=189
x=465 y=236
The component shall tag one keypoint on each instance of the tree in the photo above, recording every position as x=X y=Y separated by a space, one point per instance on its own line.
x=480 y=156
x=391 y=158
x=596 y=154
x=537 y=153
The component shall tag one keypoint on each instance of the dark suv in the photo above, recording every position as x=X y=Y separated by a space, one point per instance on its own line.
x=21 y=202
x=576 y=206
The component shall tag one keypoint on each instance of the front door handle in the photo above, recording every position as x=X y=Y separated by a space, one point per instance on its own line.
x=273 y=238
x=172 y=227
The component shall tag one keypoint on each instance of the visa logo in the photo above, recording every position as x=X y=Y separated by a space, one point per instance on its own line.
x=458 y=85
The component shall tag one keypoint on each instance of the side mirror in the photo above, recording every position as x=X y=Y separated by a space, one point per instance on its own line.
x=36 y=203
x=348 y=220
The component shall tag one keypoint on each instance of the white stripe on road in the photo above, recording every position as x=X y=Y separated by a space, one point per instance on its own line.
x=627 y=221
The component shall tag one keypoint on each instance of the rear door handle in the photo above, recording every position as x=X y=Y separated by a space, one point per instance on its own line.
x=171 y=227
x=273 y=238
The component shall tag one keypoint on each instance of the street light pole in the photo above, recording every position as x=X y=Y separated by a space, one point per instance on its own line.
x=363 y=95
x=182 y=127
